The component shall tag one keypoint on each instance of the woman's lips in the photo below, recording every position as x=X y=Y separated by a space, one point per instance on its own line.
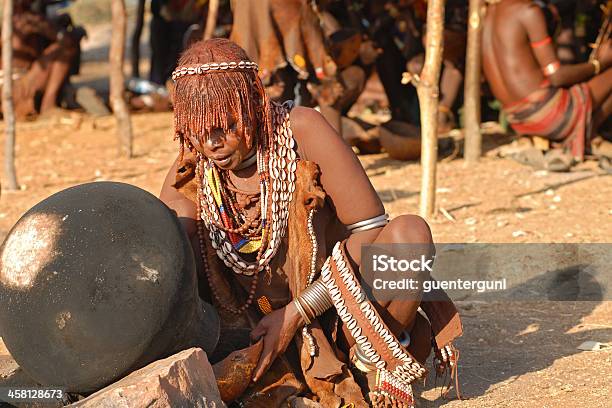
x=223 y=161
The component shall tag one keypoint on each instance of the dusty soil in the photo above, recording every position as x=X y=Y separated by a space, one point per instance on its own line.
x=519 y=354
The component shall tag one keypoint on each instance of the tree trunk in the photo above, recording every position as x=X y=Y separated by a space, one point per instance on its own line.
x=471 y=110
x=211 y=20
x=428 y=91
x=136 y=39
x=8 y=110
x=117 y=86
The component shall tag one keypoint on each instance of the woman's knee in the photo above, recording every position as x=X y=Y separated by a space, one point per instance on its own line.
x=410 y=229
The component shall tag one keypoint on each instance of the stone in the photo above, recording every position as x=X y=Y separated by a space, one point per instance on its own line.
x=185 y=379
x=91 y=102
x=9 y=370
x=3 y=350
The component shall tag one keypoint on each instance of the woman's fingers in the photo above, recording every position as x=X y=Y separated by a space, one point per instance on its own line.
x=258 y=331
x=267 y=356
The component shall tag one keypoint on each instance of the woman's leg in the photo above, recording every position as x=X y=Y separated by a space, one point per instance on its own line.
x=401 y=314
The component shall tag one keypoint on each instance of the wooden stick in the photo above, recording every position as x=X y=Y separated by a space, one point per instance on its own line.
x=117 y=86
x=471 y=110
x=447 y=214
x=135 y=51
x=604 y=34
x=8 y=109
x=428 y=92
x=211 y=20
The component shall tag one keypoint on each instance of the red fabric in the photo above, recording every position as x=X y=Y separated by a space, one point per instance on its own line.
x=541 y=43
x=560 y=115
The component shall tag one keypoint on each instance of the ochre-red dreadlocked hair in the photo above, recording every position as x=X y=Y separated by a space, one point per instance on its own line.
x=202 y=101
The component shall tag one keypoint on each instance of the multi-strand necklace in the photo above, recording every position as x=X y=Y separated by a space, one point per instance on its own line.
x=231 y=231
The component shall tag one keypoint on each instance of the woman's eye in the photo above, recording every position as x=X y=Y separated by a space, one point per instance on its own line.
x=194 y=141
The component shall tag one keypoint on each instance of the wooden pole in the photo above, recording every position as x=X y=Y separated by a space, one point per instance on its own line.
x=136 y=39
x=428 y=92
x=471 y=107
x=211 y=20
x=117 y=86
x=8 y=109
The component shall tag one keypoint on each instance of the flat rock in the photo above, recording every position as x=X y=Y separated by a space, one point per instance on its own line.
x=185 y=379
x=8 y=368
x=3 y=350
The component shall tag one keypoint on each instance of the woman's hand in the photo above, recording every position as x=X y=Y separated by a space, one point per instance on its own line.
x=277 y=330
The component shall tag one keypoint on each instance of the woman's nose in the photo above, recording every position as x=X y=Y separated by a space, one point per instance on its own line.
x=215 y=139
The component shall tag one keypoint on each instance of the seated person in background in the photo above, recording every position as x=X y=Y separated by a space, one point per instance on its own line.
x=453 y=63
x=541 y=96
x=45 y=52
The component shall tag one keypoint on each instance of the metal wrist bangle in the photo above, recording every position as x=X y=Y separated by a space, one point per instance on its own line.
x=551 y=68
x=317 y=298
x=301 y=310
x=352 y=227
x=368 y=227
x=596 y=66
x=307 y=308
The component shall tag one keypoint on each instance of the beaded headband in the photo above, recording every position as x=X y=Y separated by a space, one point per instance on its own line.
x=212 y=67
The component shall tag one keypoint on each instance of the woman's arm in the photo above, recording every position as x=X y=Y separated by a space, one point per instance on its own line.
x=342 y=176
x=534 y=22
x=184 y=208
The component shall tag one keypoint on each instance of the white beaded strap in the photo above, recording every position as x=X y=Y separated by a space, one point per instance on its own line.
x=369 y=224
x=406 y=369
x=212 y=67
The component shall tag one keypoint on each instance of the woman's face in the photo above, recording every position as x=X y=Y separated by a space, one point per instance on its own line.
x=226 y=149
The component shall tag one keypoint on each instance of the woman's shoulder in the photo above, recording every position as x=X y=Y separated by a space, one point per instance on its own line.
x=312 y=131
x=303 y=119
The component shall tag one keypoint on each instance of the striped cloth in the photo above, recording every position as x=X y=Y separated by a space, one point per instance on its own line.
x=561 y=115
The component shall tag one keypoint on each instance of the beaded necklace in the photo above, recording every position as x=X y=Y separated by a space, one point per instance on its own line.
x=231 y=218
x=233 y=234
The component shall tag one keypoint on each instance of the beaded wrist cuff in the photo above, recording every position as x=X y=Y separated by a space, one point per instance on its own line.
x=396 y=368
